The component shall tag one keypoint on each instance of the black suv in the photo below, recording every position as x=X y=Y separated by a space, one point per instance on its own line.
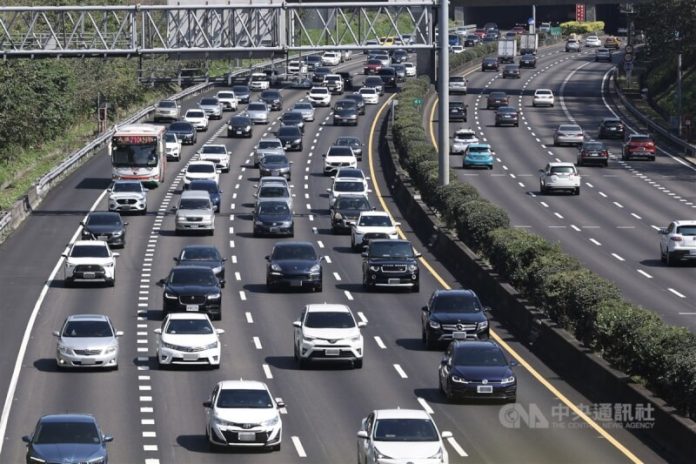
x=611 y=128
x=457 y=111
x=388 y=76
x=203 y=255
x=528 y=61
x=489 y=64
x=192 y=288
x=347 y=77
x=239 y=126
x=273 y=99
x=294 y=265
x=390 y=263
x=450 y=311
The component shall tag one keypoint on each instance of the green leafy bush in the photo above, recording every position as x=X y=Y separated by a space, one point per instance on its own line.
x=584 y=27
x=476 y=219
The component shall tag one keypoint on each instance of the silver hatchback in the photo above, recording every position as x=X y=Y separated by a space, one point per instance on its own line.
x=87 y=340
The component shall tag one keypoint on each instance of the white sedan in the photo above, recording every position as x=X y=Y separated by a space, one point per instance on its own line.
x=543 y=97
x=197 y=118
x=410 y=69
x=370 y=95
x=188 y=338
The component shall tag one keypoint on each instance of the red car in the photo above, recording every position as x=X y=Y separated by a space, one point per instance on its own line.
x=373 y=66
x=639 y=146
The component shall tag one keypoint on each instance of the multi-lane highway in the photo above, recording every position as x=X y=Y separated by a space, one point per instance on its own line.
x=156 y=415
x=612 y=226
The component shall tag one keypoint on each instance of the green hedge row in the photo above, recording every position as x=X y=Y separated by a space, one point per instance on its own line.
x=584 y=27
x=632 y=338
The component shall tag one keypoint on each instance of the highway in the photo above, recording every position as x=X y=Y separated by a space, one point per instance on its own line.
x=156 y=415
x=612 y=226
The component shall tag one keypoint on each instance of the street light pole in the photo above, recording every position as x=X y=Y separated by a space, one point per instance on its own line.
x=679 y=92
x=443 y=91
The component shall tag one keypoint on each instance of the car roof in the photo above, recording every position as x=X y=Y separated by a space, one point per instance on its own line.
x=454 y=291
x=374 y=213
x=242 y=384
x=684 y=222
x=401 y=414
x=68 y=418
x=195 y=194
x=465 y=130
x=94 y=243
x=479 y=145
x=561 y=164
x=213 y=145
x=87 y=317
x=198 y=246
x=103 y=213
x=543 y=90
x=327 y=307
x=201 y=163
x=187 y=316
x=474 y=343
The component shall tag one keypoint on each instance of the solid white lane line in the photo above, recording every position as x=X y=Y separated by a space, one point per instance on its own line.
x=257 y=343
x=380 y=343
x=676 y=293
x=458 y=449
x=267 y=371
x=618 y=257
x=249 y=318
x=425 y=405
x=400 y=371
x=643 y=273
x=298 y=447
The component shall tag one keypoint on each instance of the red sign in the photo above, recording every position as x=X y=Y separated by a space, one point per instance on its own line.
x=580 y=12
x=134 y=140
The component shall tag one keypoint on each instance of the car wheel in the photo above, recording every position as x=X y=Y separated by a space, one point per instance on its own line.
x=319 y=288
x=302 y=362
x=606 y=164
x=111 y=282
x=430 y=344
x=358 y=363
x=576 y=191
x=669 y=261
x=275 y=447
x=663 y=258
x=415 y=288
x=652 y=158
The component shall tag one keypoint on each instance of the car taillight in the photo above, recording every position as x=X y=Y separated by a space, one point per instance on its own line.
x=605 y=153
x=676 y=238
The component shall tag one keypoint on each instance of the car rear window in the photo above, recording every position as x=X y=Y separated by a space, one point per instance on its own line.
x=562 y=170
x=687 y=230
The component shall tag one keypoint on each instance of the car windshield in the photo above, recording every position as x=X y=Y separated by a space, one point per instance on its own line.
x=465 y=136
x=210 y=187
x=195 y=114
x=170 y=138
x=375 y=221
x=243 y=398
x=360 y=203
x=562 y=170
x=288 y=132
x=391 y=249
x=329 y=320
x=612 y=123
x=457 y=79
x=340 y=151
x=345 y=105
x=349 y=172
x=189 y=327
x=543 y=92
x=89 y=251
x=302 y=252
x=368 y=91
x=54 y=433
x=273 y=192
x=240 y=121
x=640 y=138
x=200 y=254
x=209 y=101
x=274 y=208
x=569 y=128
x=258 y=77
x=320 y=91
x=453 y=303
x=87 y=329
x=104 y=220
x=497 y=95
x=595 y=146
x=131 y=155
x=167 y=104
x=506 y=109
x=347 y=141
x=194 y=203
x=256 y=107
x=313 y=59
x=127 y=187
x=303 y=106
x=213 y=150
x=265 y=144
x=687 y=230
x=487 y=355
x=240 y=89
x=349 y=186
x=274 y=159
x=188 y=276
x=405 y=430
x=201 y=168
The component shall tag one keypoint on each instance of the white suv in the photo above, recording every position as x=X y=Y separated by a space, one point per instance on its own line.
x=328 y=332
x=216 y=153
x=90 y=261
x=172 y=146
x=201 y=170
x=331 y=58
x=372 y=225
x=559 y=176
x=319 y=96
x=198 y=118
x=347 y=186
x=678 y=241
x=543 y=97
x=243 y=413
x=339 y=156
x=401 y=436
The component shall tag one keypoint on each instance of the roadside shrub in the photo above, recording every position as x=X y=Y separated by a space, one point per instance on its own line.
x=450 y=196
x=584 y=27
x=678 y=382
x=512 y=250
x=476 y=219
x=425 y=173
x=541 y=268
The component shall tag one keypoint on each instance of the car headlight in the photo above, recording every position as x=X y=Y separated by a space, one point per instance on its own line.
x=180 y=219
x=508 y=380
x=211 y=346
x=108 y=265
x=297 y=141
x=315 y=269
x=483 y=325
x=412 y=268
x=355 y=339
x=213 y=296
x=118 y=233
x=276 y=268
x=247 y=128
x=437 y=455
x=64 y=349
x=381 y=455
x=223 y=422
x=458 y=379
x=169 y=346
x=170 y=296
x=100 y=460
x=374 y=268
x=434 y=324
x=270 y=422
x=110 y=349
x=308 y=339
x=258 y=223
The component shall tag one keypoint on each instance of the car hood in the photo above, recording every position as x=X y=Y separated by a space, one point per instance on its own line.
x=339 y=159
x=301 y=265
x=256 y=112
x=90 y=260
x=126 y=195
x=212 y=264
x=82 y=343
x=345 y=112
x=201 y=175
x=331 y=334
x=181 y=131
x=454 y=318
x=194 y=212
x=275 y=166
x=212 y=156
x=478 y=373
x=68 y=452
x=192 y=289
x=189 y=339
x=373 y=229
x=408 y=450
x=273 y=218
x=102 y=229
x=289 y=137
x=246 y=415
x=193 y=119
x=390 y=260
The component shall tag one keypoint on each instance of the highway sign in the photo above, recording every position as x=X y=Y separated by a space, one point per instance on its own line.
x=628 y=58
x=417 y=102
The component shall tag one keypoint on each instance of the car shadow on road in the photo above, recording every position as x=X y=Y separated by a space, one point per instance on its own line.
x=199 y=444
x=94 y=183
x=347 y=250
x=653 y=263
x=353 y=288
x=50 y=365
x=411 y=344
x=289 y=363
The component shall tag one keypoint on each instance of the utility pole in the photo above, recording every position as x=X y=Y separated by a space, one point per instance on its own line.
x=679 y=90
x=443 y=91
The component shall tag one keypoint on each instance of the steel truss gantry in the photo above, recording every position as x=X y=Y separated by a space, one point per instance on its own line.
x=214 y=30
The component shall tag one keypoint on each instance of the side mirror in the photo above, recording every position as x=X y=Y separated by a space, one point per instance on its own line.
x=364 y=254
x=397 y=224
x=514 y=363
x=176 y=259
x=328 y=190
x=64 y=255
x=362 y=324
x=224 y=259
x=219 y=331
x=662 y=231
x=417 y=255
x=161 y=282
x=297 y=324
x=116 y=255
x=107 y=438
x=256 y=195
x=267 y=258
x=444 y=360
x=362 y=434
x=446 y=434
x=26 y=439
x=280 y=403
x=424 y=308
x=158 y=330
x=207 y=404
x=56 y=333
x=119 y=333
x=323 y=155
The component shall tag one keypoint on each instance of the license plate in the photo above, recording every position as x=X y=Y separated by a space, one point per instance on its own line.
x=332 y=352
x=484 y=389
x=89 y=275
x=102 y=237
x=191 y=307
x=239 y=132
x=246 y=436
x=190 y=357
x=692 y=252
x=394 y=281
x=295 y=283
x=594 y=154
x=87 y=362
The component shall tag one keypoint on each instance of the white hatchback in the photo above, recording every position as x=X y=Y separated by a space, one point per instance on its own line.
x=188 y=338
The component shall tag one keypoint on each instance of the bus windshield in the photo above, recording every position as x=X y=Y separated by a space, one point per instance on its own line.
x=130 y=155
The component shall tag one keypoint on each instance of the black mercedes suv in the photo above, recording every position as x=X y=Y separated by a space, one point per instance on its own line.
x=450 y=311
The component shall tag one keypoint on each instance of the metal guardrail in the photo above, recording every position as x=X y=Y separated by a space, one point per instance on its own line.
x=687 y=148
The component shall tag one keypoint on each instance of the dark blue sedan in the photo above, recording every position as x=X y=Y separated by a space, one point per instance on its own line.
x=67 y=438
x=210 y=186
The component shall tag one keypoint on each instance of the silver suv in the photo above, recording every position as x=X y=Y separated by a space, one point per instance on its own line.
x=678 y=241
x=167 y=110
x=128 y=195
x=195 y=212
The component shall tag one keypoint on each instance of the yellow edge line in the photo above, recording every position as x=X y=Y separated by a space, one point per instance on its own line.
x=518 y=357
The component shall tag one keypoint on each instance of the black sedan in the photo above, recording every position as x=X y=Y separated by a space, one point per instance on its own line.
x=273 y=218
x=203 y=255
x=477 y=369
x=273 y=99
x=184 y=132
x=192 y=288
x=352 y=142
x=67 y=438
x=105 y=225
x=359 y=101
x=294 y=265
x=449 y=312
x=388 y=76
x=319 y=73
x=506 y=116
x=345 y=211
x=291 y=137
x=457 y=111
x=275 y=165
x=611 y=128
x=293 y=118
x=376 y=83
x=240 y=126
x=345 y=112
x=528 y=61
x=489 y=64
x=497 y=99
x=399 y=56
x=511 y=71
x=242 y=92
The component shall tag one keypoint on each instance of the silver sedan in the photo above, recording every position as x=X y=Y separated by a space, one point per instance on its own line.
x=306 y=109
x=257 y=112
x=87 y=340
x=568 y=134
